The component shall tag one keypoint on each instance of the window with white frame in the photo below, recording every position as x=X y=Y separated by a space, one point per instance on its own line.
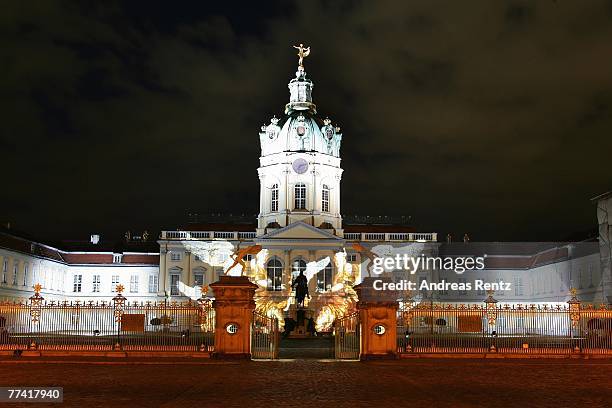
x=174 y=284
x=175 y=256
x=298 y=265
x=421 y=280
x=153 y=283
x=26 y=270
x=77 y=282
x=442 y=278
x=134 y=284
x=95 y=284
x=198 y=279
x=324 y=279
x=325 y=198
x=462 y=283
x=114 y=283
x=15 y=272
x=300 y=196
x=518 y=286
x=274 y=198
x=351 y=258
x=4 y=270
x=274 y=271
x=117 y=258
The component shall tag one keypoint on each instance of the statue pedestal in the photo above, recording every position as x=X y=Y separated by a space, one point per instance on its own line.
x=234 y=307
x=378 y=315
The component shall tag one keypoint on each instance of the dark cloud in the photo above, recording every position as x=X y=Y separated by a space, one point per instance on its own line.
x=491 y=118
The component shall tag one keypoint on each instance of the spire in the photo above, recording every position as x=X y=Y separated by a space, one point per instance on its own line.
x=300 y=87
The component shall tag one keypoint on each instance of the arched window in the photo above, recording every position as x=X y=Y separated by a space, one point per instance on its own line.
x=324 y=279
x=275 y=274
x=325 y=198
x=300 y=196
x=298 y=265
x=274 y=198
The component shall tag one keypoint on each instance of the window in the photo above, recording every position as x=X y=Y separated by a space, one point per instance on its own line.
x=175 y=256
x=25 y=274
x=134 y=284
x=15 y=271
x=198 y=279
x=117 y=258
x=300 y=196
x=174 y=284
x=299 y=265
x=462 y=284
x=480 y=292
x=96 y=283
x=77 y=282
x=351 y=258
x=441 y=279
x=324 y=279
x=275 y=274
x=4 y=270
x=153 y=283
x=325 y=198
x=274 y=200
x=518 y=286
x=114 y=283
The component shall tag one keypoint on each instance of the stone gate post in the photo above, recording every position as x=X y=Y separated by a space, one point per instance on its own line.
x=234 y=307
x=378 y=316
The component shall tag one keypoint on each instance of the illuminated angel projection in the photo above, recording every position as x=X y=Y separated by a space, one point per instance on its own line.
x=327 y=306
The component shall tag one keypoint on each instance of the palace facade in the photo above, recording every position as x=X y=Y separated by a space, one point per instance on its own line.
x=299 y=229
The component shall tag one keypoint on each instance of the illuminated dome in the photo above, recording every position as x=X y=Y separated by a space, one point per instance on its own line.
x=300 y=130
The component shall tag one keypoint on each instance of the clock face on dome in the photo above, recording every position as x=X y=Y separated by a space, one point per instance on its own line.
x=300 y=166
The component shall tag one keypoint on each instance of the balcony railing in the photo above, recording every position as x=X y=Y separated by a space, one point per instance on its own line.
x=349 y=236
x=200 y=235
x=392 y=236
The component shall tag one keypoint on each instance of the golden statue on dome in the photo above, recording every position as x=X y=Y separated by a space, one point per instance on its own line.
x=303 y=52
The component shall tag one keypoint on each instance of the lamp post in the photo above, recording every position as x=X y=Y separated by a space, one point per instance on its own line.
x=35 y=309
x=574 y=315
x=491 y=314
x=118 y=306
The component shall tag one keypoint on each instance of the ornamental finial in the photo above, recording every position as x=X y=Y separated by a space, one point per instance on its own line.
x=573 y=292
x=303 y=52
x=37 y=288
x=119 y=288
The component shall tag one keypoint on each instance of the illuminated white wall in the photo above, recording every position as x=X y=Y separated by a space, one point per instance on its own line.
x=57 y=278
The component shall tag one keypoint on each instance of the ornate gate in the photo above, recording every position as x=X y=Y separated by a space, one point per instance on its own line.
x=347 y=337
x=264 y=337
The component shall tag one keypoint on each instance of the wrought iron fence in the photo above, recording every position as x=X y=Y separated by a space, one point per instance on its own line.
x=105 y=326
x=264 y=337
x=439 y=328
x=347 y=337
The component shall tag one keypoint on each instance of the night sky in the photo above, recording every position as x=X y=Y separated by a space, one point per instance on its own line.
x=487 y=117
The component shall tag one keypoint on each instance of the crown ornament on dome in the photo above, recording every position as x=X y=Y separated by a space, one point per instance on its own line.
x=274 y=120
x=327 y=121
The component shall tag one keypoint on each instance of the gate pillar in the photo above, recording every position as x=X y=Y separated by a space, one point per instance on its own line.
x=378 y=315
x=234 y=307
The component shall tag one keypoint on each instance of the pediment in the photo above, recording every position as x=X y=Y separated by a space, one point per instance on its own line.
x=299 y=230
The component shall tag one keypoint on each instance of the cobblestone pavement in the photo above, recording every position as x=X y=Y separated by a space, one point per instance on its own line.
x=414 y=383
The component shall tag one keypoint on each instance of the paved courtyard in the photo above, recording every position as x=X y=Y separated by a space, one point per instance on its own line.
x=415 y=383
